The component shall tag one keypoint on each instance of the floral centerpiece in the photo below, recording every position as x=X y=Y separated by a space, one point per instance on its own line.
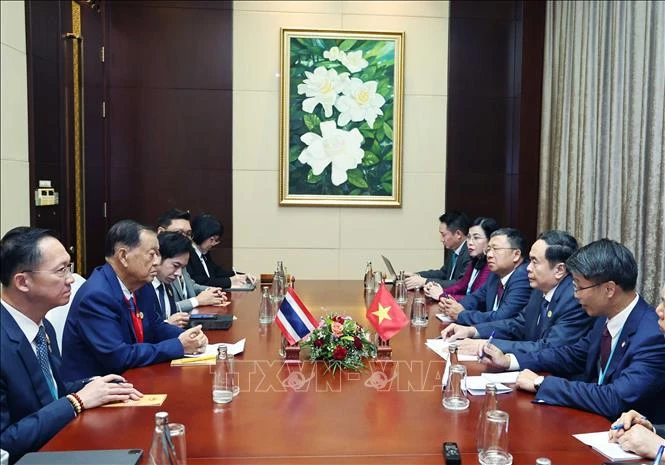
x=341 y=343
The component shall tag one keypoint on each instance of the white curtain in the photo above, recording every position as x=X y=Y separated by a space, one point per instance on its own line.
x=603 y=129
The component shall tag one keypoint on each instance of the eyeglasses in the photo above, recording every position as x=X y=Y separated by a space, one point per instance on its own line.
x=578 y=289
x=62 y=272
x=490 y=248
x=474 y=238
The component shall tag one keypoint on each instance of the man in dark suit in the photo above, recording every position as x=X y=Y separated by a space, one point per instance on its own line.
x=453 y=228
x=632 y=430
x=553 y=317
x=618 y=365
x=187 y=294
x=206 y=233
x=35 y=403
x=174 y=250
x=507 y=289
x=114 y=322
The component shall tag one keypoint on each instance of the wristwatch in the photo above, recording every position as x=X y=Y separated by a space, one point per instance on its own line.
x=538 y=381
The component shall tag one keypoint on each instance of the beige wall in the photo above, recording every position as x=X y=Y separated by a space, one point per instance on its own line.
x=336 y=242
x=14 y=188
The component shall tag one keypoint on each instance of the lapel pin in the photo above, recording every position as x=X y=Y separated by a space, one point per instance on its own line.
x=141 y=315
x=549 y=314
x=623 y=344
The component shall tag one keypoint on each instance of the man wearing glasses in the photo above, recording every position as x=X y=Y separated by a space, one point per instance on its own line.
x=505 y=292
x=620 y=364
x=35 y=402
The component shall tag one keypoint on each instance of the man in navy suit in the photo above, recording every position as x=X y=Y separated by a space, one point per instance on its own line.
x=553 y=317
x=633 y=431
x=453 y=228
x=115 y=322
x=35 y=403
x=618 y=365
x=507 y=289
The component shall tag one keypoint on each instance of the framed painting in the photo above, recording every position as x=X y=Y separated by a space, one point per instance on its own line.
x=341 y=118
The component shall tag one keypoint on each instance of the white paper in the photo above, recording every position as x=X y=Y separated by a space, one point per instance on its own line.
x=600 y=442
x=441 y=348
x=476 y=386
x=444 y=318
x=509 y=377
x=211 y=349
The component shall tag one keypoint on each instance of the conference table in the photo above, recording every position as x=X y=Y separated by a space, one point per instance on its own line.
x=391 y=413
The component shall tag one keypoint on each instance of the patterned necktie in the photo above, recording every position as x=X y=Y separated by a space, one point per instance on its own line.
x=605 y=347
x=42 y=357
x=183 y=288
x=453 y=262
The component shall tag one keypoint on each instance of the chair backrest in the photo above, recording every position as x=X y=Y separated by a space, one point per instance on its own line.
x=58 y=315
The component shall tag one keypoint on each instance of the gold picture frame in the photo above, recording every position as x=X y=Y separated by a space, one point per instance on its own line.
x=341 y=118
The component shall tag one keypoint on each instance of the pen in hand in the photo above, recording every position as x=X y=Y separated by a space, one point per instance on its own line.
x=489 y=341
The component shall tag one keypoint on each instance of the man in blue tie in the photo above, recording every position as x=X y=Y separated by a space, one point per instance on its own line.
x=553 y=316
x=618 y=365
x=35 y=403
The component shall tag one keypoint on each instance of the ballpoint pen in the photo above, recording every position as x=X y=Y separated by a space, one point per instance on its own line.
x=659 y=455
x=618 y=426
x=487 y=344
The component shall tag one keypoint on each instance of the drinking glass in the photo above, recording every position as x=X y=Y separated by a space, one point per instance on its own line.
x=494 y=445
x=454 y=395
x=400 y=291
x=418 y=310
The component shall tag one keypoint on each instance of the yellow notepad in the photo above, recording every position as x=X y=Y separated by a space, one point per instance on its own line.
x=148 y=400
x=191 y=361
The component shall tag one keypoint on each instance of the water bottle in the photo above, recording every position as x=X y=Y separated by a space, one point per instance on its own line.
x=168 y=442
x=400 y=289
x=277 y=291
x=266 y=314
x=222 y=385
x=235 y=376
x=489 y=403
x=369 y=277
x=418 y=309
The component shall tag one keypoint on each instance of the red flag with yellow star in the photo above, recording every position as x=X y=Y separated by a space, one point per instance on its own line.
x=385 y=314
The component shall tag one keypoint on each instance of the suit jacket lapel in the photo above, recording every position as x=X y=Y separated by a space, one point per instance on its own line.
x=119 y=298
x=492 y=289
x=28 y=358
x=623 y=343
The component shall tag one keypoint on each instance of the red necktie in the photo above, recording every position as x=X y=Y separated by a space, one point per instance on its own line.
x=605 y=348
x=499 y=294
x=137 y=318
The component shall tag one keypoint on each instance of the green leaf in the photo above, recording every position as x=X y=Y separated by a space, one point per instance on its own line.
x=356 y=192
x=311 y=121
x=356 y=178
x=370 y=159
x=347 y=338
x=294 y=153
x=375 y=147
x=388 y=130
x=347 y=44
x=379 y=134
x=313 y=178
x=388 y=177
x=388 y=187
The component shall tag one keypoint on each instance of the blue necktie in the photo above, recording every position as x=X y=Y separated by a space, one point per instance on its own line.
x=543 y=316
x=453 y=262
x=42 y=357
x=162 y=300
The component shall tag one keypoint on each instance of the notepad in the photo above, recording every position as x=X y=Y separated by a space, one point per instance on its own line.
x=476 y=386
x=441 y=348
x=600 y=443
x=83 y=457
x=208 y=357
x=509 y=377
x=444 y=318
x=148 y=400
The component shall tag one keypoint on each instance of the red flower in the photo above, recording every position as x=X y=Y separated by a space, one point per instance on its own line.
x=357 y=342
x=339 y=353
x=339 y=319
x=318 y=343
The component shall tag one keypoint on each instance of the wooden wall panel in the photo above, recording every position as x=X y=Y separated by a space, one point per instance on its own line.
x=170 y=111
x=494 y=104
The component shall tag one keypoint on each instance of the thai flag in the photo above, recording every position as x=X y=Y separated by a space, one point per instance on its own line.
x=293 y=318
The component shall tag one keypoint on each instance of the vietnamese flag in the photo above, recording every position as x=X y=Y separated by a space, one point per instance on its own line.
x=385 y=314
